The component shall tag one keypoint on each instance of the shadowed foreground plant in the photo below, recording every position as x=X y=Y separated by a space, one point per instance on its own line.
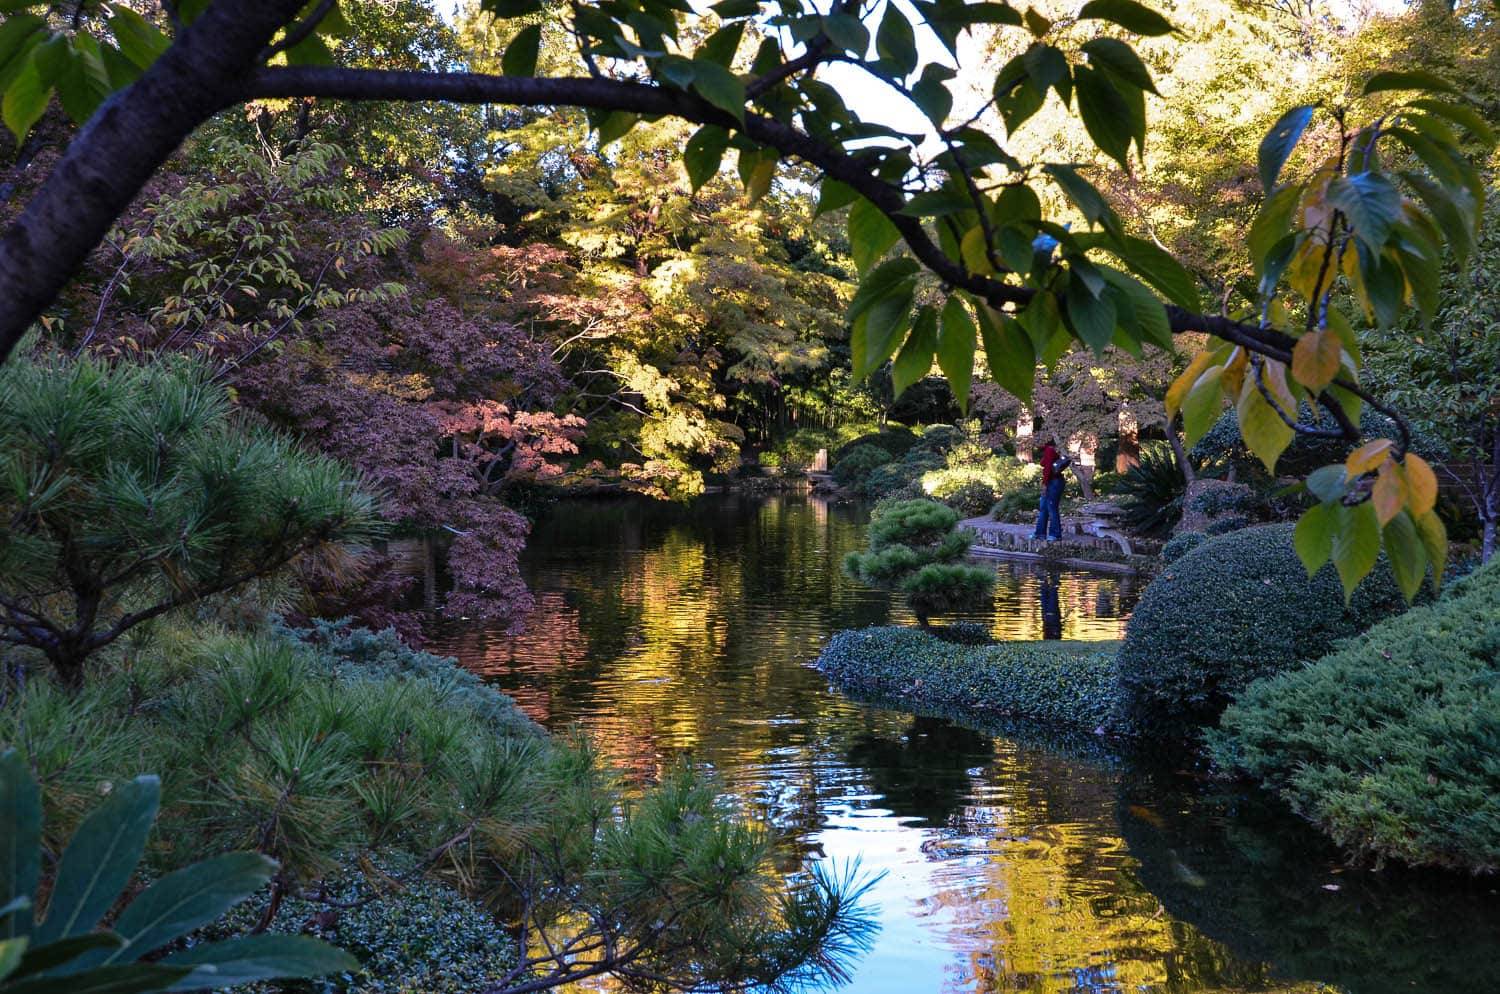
x=128 y=491
x=65 y=952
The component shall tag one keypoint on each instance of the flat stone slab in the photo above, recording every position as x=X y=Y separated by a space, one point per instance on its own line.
x=1077 y=531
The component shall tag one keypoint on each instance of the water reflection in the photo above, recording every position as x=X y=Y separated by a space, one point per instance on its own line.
x=1009 y=867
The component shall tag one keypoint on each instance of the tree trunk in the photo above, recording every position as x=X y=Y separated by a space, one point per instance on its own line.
x=1186 y=467
x=1487 y=547
x=119 y=149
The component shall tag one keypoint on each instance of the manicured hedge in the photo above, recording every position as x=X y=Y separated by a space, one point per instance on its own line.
x=1067 y=684
x=1236 y=608
x=855 y=467
x=1392 y=743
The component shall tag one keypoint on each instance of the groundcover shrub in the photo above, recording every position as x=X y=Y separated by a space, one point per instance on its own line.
x=1057 y=683
x=1391 y=743
x=1180 y=545
x=1236 y=608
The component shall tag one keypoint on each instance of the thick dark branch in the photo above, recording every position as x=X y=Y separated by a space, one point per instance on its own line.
x=122 y=145
x=609 y=94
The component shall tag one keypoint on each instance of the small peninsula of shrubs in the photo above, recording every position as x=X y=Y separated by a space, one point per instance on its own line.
x=1392 y=743
x=1067 y=684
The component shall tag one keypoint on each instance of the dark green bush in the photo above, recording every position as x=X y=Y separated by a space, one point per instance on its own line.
x=1063 y=683
x=1018 y=506
x=1180 y=545
x=1237 y=608
x=1392 y=743
x=896 y=440
x=855 y=466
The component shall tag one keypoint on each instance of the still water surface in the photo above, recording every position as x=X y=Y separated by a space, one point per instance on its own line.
x=1009 y=865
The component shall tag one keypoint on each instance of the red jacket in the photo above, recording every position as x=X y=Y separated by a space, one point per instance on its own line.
x=1049 y=456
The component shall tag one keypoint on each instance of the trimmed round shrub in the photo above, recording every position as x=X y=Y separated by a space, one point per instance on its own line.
x=1180 y=545
x=1390 y=743
x=896 y=440
x=1237 y=608
x=854 y=467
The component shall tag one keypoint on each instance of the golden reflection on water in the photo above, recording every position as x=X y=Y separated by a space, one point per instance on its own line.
x=669 y=632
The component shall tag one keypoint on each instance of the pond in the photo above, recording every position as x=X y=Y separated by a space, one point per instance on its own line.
x=1008 y=865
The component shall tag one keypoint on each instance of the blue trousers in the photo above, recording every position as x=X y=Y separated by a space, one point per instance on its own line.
x=1049 y=514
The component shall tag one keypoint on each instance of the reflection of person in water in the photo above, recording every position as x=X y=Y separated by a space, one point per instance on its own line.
x=1051 y=609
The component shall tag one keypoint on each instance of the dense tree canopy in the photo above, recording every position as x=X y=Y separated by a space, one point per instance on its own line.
x=986 y=237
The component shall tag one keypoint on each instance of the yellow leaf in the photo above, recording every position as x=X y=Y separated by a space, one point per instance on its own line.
x=1388 y=495
x=1307 y=265
x=1265 y=432
x=1368 y=456
x=1178 y=391
x=1315 y=359
x=1234 y=371
x=1421 y=485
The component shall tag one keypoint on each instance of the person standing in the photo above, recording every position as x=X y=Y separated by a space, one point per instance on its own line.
x=1049 y=513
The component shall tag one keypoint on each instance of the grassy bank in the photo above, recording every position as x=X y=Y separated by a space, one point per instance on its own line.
x=1067 y=685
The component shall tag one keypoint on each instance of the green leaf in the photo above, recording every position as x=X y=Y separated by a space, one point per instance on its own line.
x=1465 y=117
x=1371 y=203
x=955 y=352
x=1108 y=117
x=871 y=234
x=704 y=153
x=1453 y=211
x=1008 y=352
x=938 y=203
x=1277 y=146
x=887 y=278
x=85 y=83
x=1407 y=79
x=133 y=978
x=258 y=957
x=17 y=35
x=727 y=9
x=1120 y=60
x=1408 y=556
x=846 y=31
x=20 y=840
x=1328 y=483
x=1435 y=540
x=915 y=358
x=189 y=898
x=1201 y=406
x=1313 y=536
x=894 y=41
x=616 y=125
x=1127 y=14
x=832 y=195
x=1093 y=318
x=1048 y=69
x=1272 y=224
x=68 y=956
x=721 y=46
x=931 y=94
x=11 y=951
x=757 y=169
x=140 y=40
x=1084 y=196
x=884 y=327
x=720 y=87
x=1159 y=268
x=1356 y=544
x=100 y=858
x=1148 y=315
x=25 y=100
x=521 y=54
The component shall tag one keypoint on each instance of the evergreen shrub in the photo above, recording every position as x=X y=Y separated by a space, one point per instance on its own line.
x=1057 y=683
x=1392 y=742
x=1236 y=608
x=856 y=464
